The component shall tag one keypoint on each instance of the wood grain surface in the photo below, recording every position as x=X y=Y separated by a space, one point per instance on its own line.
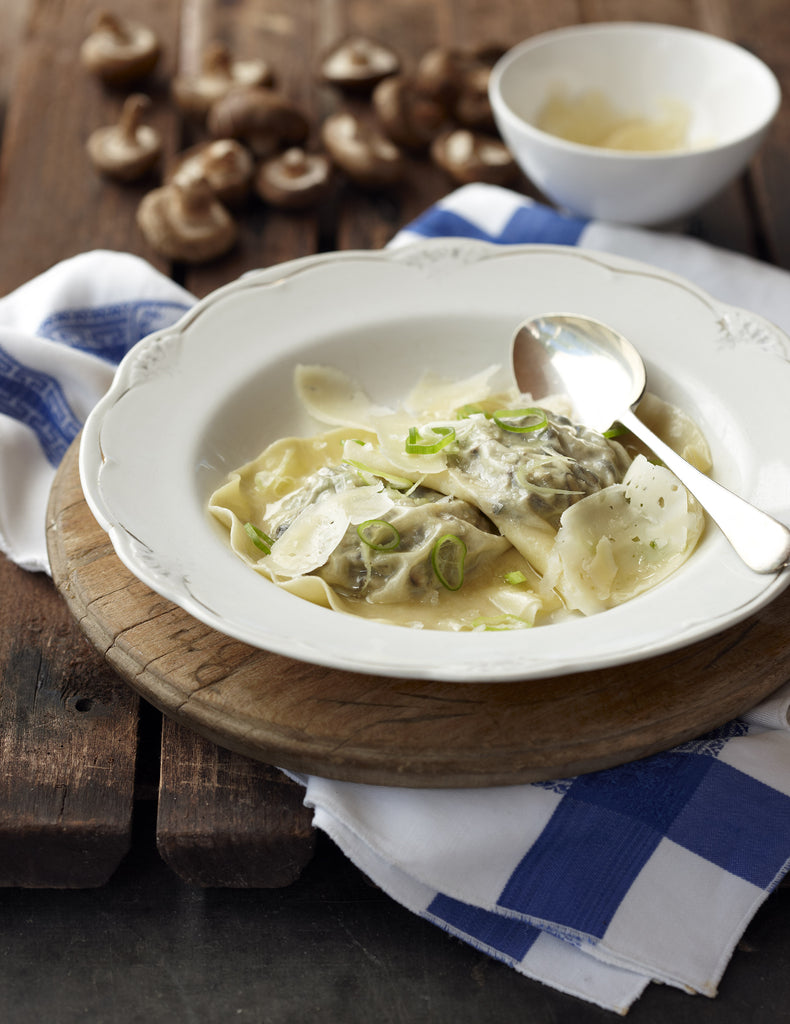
x=391 y=731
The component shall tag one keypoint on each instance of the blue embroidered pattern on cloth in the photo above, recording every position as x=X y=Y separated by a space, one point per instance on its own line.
x=108 y=332
x=37 y=400
x=608 y=825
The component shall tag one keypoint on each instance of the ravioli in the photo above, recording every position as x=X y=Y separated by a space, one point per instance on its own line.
x=464 y=508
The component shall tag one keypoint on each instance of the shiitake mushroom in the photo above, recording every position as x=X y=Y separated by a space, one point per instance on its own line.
x=225 y=164
x=295 y=179
x=129 y=149
x=362 y=151
x=358 y=63
x=185 y=221
x=119 y=50
x=219 y=73
x=260 y=117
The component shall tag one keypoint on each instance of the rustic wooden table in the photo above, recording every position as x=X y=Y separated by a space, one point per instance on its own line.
x=97 y=791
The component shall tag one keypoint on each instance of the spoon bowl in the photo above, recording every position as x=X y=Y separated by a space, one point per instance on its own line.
x=604 y=377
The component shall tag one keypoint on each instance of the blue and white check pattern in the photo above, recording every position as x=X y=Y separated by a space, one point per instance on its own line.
x=595 y=885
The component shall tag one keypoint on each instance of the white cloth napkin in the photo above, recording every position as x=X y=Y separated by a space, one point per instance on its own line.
x=595 y=885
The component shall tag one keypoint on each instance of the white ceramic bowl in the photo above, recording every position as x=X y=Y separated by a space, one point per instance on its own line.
x=731 y=98
x=192 y=402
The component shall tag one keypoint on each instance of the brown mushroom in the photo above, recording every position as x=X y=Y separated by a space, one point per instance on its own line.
x=469 y=156
x=366 y=155
x=218 y=75
x=224 y=163
x=440 y=74
x=459 y=80
x=358 y=63
x=127 y=150
x=295 y=179
x=472 y=107
x=118 y=50
x=260 y=117
x=408 y=117
x=185 y=221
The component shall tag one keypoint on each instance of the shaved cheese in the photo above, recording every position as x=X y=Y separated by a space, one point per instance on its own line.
x=317 y=530
x=438 y=396
x=618 y=542
x=332 y=397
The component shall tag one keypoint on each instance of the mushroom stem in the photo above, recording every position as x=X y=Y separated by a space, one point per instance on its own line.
x=194 y=198
x=110 y=23
x=217 y=60
x=132 y=116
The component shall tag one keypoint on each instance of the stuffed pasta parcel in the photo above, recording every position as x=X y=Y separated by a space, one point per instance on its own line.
x=462 y=509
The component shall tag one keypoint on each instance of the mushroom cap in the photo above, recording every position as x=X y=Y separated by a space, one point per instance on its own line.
x=358 y=62
x=366 y=155
x=129 y=149
x=472 y=106
x=469 y=156
x=410 y=118
x=185 y=221
x=294 y=179
x=440 y=73
x=259 y=117
x=119 y=50
x=225 y=164
x=219 y=74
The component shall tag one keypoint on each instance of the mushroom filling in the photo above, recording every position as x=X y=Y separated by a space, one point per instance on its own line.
x=389 y=559
x=546 y=470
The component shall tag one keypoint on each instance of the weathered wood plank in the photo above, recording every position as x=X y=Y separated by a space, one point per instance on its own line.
x=225 y=820
x=222 y=819
x=67 y=745
x=764 y=29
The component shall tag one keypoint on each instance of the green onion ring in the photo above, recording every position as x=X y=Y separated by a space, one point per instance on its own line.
x=259 y=538
x=414 y=446
x=391 y=534
x=539 y=415
x=470 y=409
x=499 y=623
x=398 y=482
x=447 y=558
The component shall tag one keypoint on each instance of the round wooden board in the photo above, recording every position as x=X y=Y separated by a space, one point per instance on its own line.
x=390 y=731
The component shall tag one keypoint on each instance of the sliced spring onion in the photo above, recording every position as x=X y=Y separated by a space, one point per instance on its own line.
x=471 y=409
x=398 y=482
x=259 y=538
x=378 y=534
x=447 y=558
x=416 y=446
x=498 y=623
x=617 y=430
x=531 y=419
x=516 y=578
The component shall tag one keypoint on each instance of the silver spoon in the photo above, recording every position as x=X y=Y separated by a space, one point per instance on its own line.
x=604 y=376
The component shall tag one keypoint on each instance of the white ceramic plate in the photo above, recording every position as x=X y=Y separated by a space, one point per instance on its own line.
x=190 y=403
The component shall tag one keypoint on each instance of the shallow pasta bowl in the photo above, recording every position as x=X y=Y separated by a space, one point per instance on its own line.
x=190 y=403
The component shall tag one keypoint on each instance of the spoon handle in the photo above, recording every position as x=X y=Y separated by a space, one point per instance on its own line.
x=761 y=541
